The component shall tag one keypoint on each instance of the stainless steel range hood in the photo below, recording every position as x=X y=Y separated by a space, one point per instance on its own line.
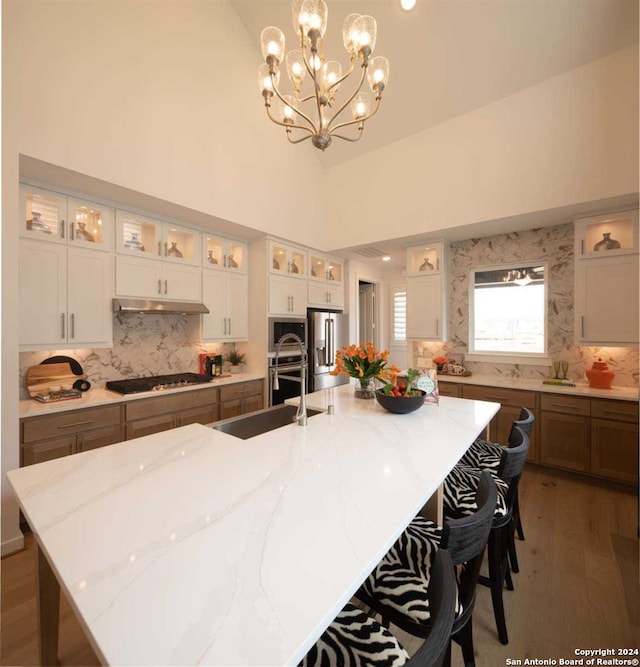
x=160 y=307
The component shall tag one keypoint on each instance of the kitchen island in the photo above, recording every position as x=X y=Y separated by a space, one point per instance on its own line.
x=191 y=546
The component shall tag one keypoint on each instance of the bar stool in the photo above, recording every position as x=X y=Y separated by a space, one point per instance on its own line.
x=485 y=455
x=355 y=639
x=459 y=489
x=397 y=588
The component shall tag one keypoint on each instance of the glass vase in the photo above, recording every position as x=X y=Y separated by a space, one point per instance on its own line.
x=365 y=388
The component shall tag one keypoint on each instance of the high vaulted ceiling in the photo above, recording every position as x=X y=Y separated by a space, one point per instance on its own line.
x=448 y=57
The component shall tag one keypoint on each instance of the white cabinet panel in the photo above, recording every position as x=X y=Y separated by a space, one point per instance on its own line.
x=89 y=289
x=182 y=283
x=425 y=313
x=42 y=287
x=137 y=277
x=287 y=296
x=226 y=297
x=606 y=304
x=325 y=294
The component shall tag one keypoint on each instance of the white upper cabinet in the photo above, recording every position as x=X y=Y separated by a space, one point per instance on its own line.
x=606 y=279
x=287 y=296
x=65 y=296
x=325 y=269
x=326 y=281
x=51 y=216
x=287 y=260
x=426 y=292
x=221 y=253
x=137 y=277
x=154 y=239
x=227 y=298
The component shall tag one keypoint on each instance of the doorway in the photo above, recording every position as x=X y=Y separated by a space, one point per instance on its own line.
x=367 y=319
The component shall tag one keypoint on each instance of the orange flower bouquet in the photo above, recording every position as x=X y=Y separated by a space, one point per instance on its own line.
x=366 y=364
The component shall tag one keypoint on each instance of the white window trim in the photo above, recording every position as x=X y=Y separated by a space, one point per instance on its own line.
x=525 y=359
x=393 y=288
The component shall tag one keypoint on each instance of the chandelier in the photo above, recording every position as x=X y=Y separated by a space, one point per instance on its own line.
x=320 y=123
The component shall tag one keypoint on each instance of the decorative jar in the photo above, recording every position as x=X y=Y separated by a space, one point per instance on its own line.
x=599 y=375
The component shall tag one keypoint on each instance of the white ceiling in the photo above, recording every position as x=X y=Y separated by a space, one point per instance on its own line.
x=448 y=57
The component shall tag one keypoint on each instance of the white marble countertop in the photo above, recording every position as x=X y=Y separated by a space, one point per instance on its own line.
x=97 y=396
x=618 y=393
x=191 y=546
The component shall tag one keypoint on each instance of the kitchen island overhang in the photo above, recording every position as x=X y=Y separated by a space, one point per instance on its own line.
x=178 y=547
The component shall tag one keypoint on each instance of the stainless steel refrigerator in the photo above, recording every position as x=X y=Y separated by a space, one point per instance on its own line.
x=327 y=332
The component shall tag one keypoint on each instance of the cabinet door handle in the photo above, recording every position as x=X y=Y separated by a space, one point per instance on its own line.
x=224 y=326
x=62 y=319
x=288 y=267
x=224 y=260
x=582 y=326
x=329 y=295
x=73 y=325
x=71 y=230
x=166 y=287
x=160 y=248
x=582 y=246
x=62 y=223
x=90 y=421
x=159 y=286
x=166 y=249
x=437 y=325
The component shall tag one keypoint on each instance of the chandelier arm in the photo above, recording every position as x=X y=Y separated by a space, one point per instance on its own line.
x=316 y=87
x=277 y=92
x=340 y=136
x=289 y=125
x=342 y=78
x=297 y=141
x=357 y=120
x=348 y=102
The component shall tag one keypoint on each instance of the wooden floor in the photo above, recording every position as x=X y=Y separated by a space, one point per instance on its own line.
x=577 y=587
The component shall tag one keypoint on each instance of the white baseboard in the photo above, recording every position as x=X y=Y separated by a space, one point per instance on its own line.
x=12 y=545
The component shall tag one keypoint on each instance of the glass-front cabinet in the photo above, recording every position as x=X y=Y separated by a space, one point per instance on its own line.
x=325 y=268
x=288 y=260
x=146 y=237
x=50 y=216
x=221 y=253
x=425 y=259
x=607 y=235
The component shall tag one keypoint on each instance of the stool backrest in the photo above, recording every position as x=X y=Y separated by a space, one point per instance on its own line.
x=442 y=593
x=512 y=462
x=525 y=423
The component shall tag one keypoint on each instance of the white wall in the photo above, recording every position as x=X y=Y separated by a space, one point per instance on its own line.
x=573 y=138
x=162 y=98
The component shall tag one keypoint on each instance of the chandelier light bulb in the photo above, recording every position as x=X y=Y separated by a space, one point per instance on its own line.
x=367 y=38
x=309 y=16
x=331 y=73
x=407 y=5
x=288 y=109
x=265 y=83
x=272 y=41
x=360 y=106
x=351 y=28
x=296 y=68
x=378 y=74
x=315 y=62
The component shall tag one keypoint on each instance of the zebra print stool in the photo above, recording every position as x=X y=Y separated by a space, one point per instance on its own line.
x=354 y=639
x=458 y=492
x=486 y=456
x=397 y=588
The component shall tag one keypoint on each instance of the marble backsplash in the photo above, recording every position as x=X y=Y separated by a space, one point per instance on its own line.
x=555 y=245
x=143 y=345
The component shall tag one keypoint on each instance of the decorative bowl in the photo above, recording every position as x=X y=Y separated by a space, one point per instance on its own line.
x=400 y=404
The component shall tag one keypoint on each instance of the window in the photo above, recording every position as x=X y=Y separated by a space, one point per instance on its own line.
x=508 y=310
x=399 y=316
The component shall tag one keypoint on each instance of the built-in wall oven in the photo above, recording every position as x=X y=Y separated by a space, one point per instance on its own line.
x=288 y=366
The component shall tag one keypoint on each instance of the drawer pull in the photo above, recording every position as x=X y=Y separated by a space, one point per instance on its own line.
x=76 y=424
x=567 y=407
x=502 y=399
x=619 y=412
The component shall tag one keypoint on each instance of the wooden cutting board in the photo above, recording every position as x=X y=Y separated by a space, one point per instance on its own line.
x=40 y=378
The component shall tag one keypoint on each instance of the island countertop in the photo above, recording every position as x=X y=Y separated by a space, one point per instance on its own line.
x=191 y=546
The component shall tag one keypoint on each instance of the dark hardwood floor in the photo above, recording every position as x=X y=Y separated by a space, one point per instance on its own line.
x=577 y=587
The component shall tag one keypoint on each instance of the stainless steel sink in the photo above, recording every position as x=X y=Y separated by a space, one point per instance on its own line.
x=248 y=426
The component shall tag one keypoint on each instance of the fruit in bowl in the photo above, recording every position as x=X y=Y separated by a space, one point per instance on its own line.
x=401 y=398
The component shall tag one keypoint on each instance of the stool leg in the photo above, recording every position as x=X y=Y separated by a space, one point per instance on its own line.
x=497 y=557
x=516 y=514
x=464 y=637
x=511 y=548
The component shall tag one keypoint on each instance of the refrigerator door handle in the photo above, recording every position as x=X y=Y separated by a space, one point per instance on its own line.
x=331 y=354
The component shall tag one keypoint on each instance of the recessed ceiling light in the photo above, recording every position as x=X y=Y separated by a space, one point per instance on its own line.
x=386 y=258
x=407 y=5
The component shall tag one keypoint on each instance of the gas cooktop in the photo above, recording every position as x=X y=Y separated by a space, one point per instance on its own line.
x=157 y=383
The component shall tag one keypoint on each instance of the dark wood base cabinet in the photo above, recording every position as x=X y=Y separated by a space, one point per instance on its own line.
x=51 y=436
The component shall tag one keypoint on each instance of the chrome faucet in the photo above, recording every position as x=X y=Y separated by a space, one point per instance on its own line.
x=301 y=412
